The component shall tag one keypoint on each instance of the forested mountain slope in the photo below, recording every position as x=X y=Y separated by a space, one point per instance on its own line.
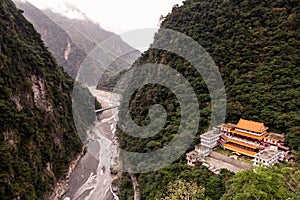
x=71 y=40
x=87 y=35
x=38 y=139
x=255 y=45
x=66 y=52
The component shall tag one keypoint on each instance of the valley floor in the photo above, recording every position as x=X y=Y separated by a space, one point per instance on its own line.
x=92 y=178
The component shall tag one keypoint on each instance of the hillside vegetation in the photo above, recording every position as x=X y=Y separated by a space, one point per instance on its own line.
x=255 y=45
x=72 y=40
x=60 y=44
x=38 y=139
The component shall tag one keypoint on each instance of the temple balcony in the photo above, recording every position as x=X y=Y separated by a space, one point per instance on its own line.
x=240 y=150
x=243 y=142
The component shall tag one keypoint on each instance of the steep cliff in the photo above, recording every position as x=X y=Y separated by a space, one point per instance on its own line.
x=38 y=138
x=71 y=40
x=66 y=52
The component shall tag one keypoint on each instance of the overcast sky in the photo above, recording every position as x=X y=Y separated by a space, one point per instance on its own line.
x=117 y=15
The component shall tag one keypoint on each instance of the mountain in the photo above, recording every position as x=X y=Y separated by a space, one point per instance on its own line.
x=38 y=138
x=58 y=41
x=71 y=40
x=255 y=45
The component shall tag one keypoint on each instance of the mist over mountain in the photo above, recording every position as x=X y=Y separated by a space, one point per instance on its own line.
x=66 y=52
x=72 y=39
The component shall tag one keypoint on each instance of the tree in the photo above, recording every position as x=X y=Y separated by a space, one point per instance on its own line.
x=184 y=190
x=214 y=188
x=264 y=183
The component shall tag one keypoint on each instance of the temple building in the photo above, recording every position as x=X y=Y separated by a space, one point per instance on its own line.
x=245 y=137
x=250 y=138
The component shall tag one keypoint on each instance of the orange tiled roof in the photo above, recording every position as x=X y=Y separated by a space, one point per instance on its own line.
x=251 y=126
x=251 y=135
x=240 y=150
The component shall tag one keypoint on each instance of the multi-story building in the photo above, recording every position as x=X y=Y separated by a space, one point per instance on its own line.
x=208 y=141
x=245 y=137
x=252 y=139
x=248 y=138
x=267 y=157
x=210 y=138
x=203 y=150
x=277 y=140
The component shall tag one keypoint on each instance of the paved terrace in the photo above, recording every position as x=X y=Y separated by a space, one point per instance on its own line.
x=221 y=161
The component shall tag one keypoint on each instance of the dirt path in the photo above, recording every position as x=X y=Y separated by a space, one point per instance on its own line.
x=136 y=187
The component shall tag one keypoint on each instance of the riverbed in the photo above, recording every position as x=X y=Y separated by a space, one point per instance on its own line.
x=92 y=178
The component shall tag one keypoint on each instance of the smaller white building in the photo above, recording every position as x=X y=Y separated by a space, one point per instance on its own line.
x=210 y=138
x=193 y=158
x=267 y=157
x=203 y=150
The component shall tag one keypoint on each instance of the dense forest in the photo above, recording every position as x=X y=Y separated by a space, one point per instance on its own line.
x=255 y=45
x=38 y=139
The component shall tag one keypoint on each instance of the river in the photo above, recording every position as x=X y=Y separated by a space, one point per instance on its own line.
x=92 y=178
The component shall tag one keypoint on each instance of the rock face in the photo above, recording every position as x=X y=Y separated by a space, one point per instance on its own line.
x=38 y=139
x=71 y=40
x=39 y=94
x=60 y=44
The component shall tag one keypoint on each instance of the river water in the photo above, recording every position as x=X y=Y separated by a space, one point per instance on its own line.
x=92 y=178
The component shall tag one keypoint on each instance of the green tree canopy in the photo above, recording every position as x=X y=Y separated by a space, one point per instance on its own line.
x=264 y=184
x=184 y=190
